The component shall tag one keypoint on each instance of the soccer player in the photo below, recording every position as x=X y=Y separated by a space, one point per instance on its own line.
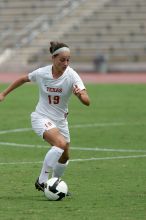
x=56 y=83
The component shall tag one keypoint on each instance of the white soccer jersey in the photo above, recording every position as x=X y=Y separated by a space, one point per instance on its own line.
x=54 y=94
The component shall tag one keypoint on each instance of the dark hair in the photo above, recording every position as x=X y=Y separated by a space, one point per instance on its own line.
x=56 y=45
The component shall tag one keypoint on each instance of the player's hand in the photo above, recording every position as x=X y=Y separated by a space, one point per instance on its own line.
x=2 y=97
x=81 y=94
x=76 y=90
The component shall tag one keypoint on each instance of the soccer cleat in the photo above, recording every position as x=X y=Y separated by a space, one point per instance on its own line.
x=39 y=186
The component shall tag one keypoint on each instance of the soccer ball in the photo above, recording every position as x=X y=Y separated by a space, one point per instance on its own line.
x=55 y=189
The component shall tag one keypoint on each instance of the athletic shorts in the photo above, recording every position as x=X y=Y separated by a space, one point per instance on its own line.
x=40 y=124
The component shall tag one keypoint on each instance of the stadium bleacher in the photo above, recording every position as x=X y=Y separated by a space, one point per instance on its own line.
x=113 y=29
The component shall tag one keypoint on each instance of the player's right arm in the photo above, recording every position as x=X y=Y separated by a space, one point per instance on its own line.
x=20 y=81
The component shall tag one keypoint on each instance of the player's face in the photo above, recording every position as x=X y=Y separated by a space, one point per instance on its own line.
x=61 y=61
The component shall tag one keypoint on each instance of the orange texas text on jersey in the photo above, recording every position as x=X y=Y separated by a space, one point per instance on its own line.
x=54 y=89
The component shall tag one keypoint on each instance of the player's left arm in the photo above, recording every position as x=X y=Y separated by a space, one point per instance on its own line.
x=82 y=95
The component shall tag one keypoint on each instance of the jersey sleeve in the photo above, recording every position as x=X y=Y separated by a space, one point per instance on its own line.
x=78 y=81
x=33 y=76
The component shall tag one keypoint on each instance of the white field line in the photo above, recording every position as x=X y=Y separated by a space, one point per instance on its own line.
x=22 y=145
x=76 y=160
x=109 y=158
x=74 y=148
x=107 y=149
x=15 y=130
x=76 y=126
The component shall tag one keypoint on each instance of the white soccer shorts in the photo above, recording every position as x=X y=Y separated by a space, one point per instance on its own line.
x=40 y=124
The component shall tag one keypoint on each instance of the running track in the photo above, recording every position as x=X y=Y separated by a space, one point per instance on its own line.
x=92 y=77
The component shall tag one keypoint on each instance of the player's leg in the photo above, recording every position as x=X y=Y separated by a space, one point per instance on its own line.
x=58 y=151
x=57 y=157
x=62 y=163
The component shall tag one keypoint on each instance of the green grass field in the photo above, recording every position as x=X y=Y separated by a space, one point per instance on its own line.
x=109 y=138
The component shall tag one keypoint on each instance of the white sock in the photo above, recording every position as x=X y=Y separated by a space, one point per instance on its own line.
x=49 y=163
x=59 y=169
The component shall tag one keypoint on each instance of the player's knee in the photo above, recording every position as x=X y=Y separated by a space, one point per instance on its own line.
x=62 y=144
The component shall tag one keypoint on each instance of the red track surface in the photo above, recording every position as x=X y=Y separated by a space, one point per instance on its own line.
x=92 y=77
x=114 y=78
